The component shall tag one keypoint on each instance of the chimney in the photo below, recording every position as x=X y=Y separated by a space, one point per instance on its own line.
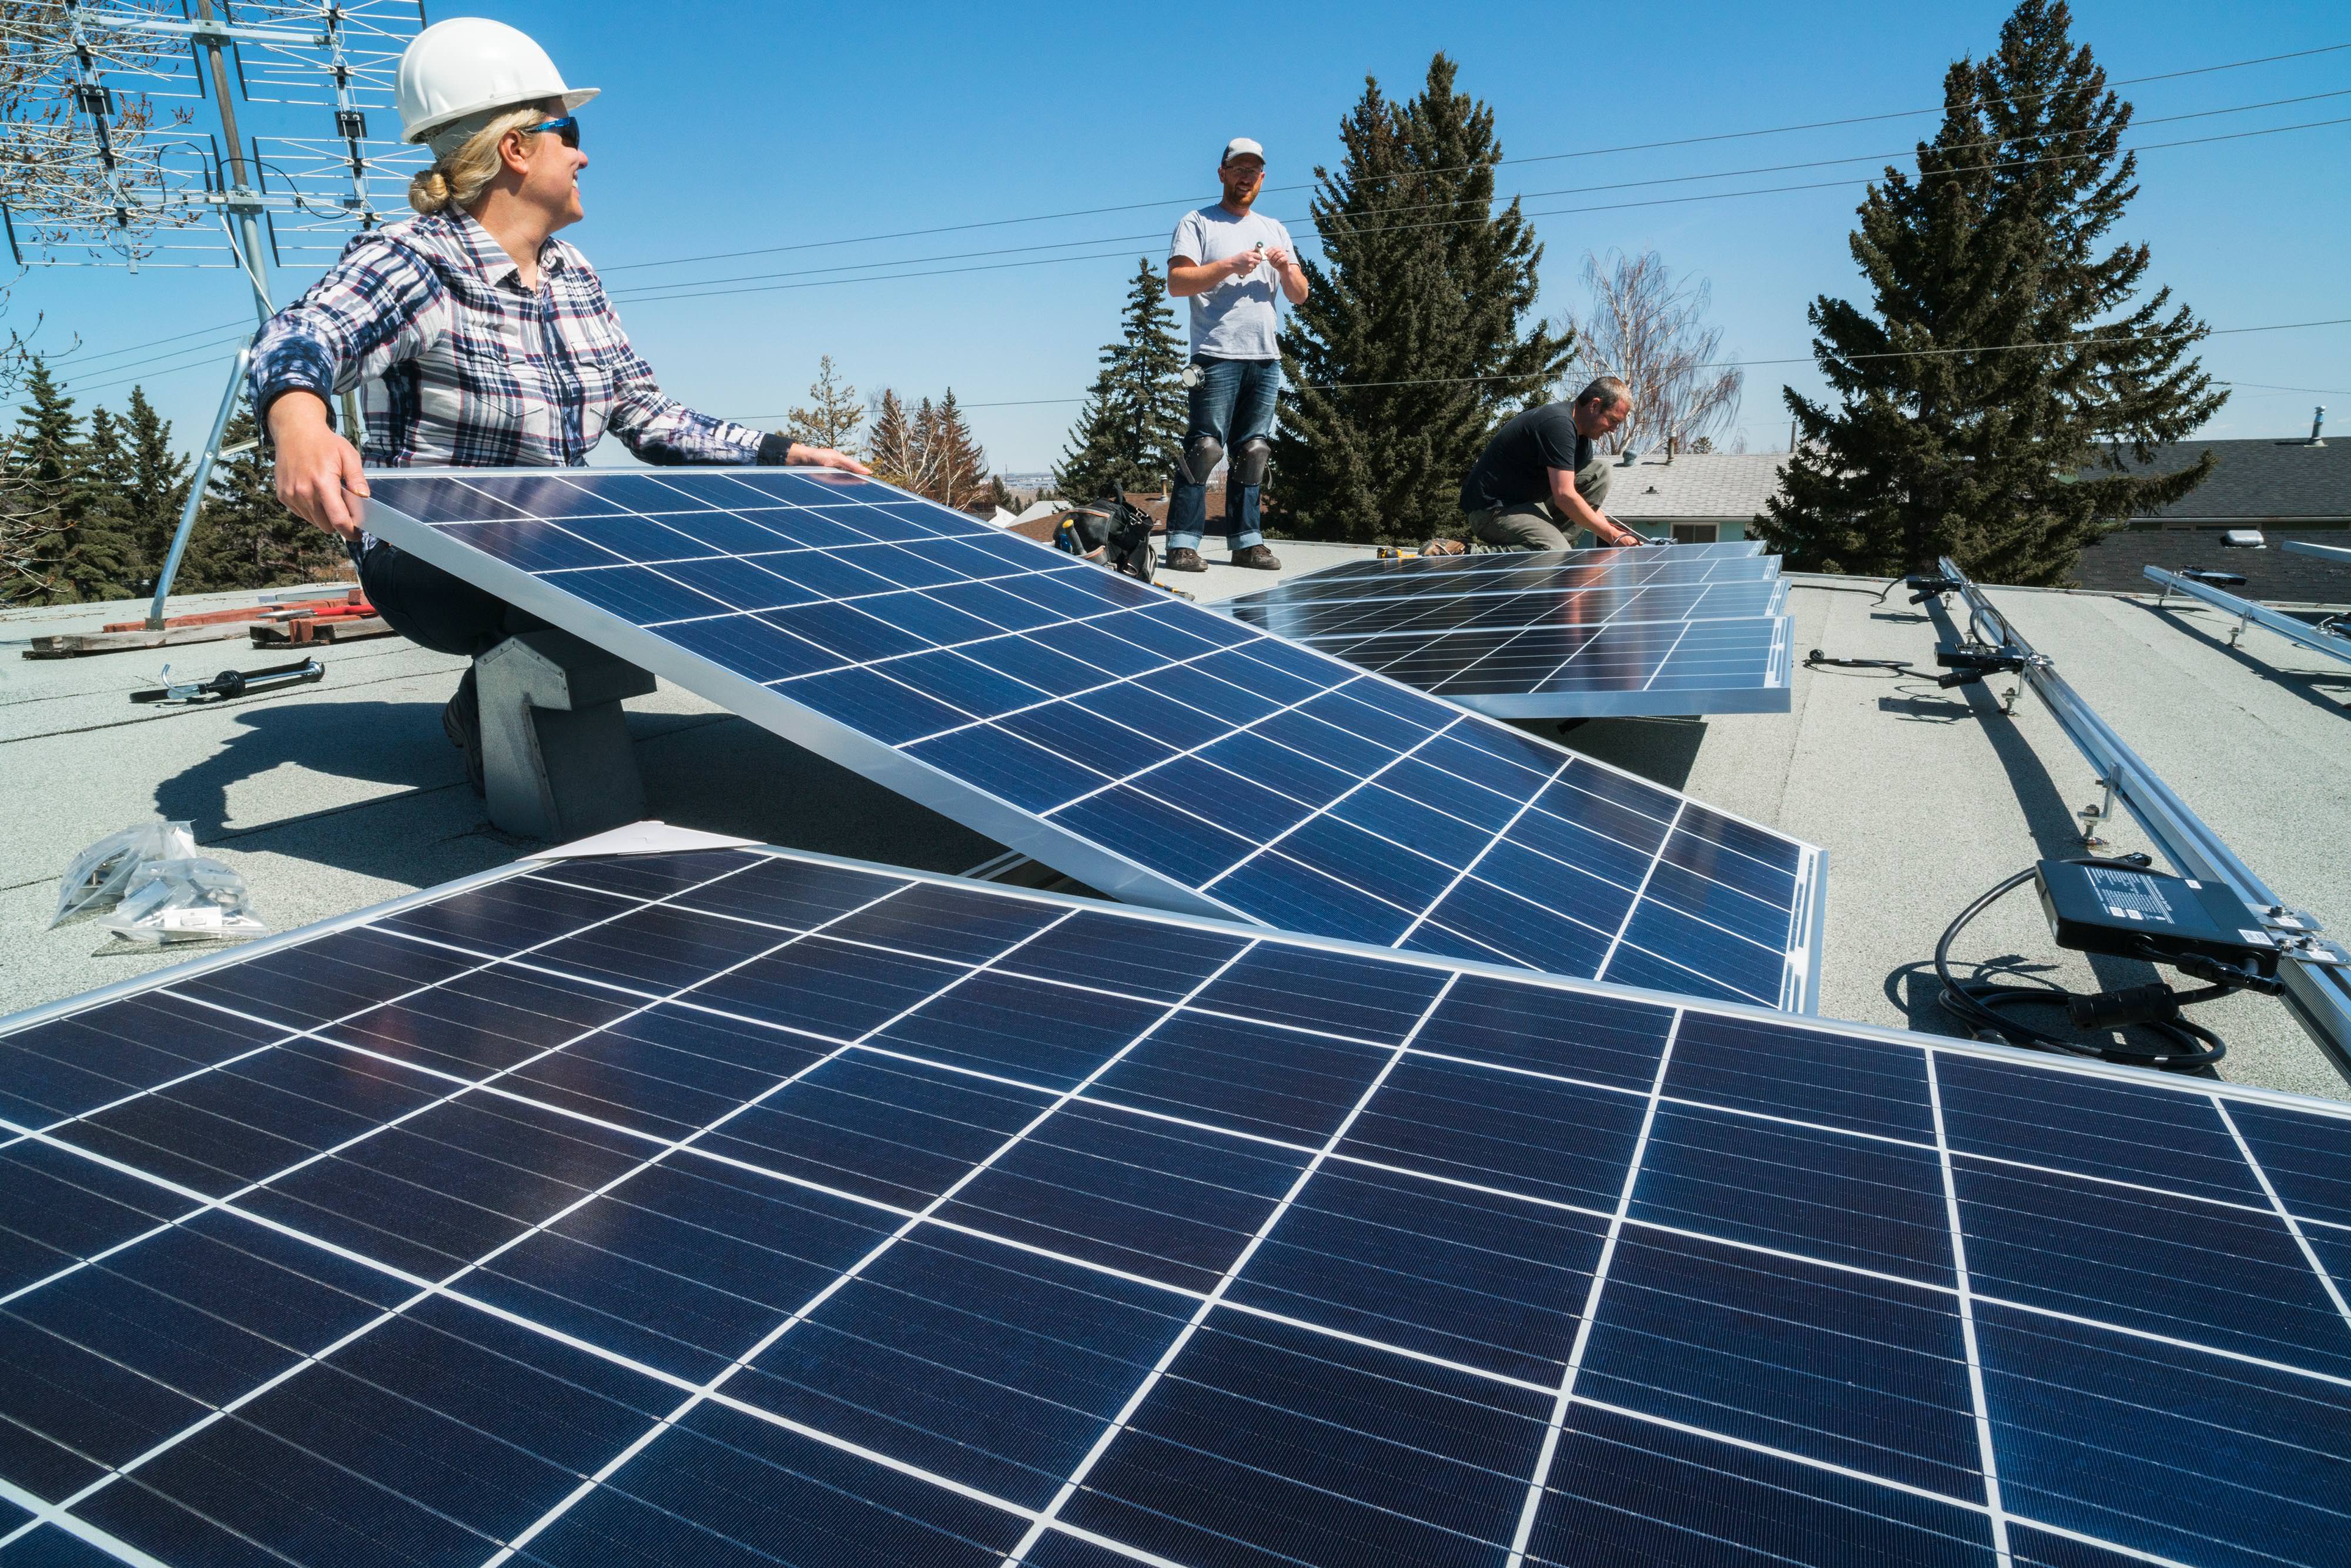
x=1671 y=443
x=2317 y=424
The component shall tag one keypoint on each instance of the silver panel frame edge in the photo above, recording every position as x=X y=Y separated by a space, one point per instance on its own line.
x=2341 y=553
x=2246 y=610
x=157 y=979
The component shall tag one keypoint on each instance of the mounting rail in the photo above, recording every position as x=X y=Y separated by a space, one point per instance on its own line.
x=2318 y=994
x=2323 y=552
x=2246 y=611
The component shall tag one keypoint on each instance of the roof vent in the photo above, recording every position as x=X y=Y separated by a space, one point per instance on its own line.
x=2317 y=424
x=1630 y=453
x=2243 y=539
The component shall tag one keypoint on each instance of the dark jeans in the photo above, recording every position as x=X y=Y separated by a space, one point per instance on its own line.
x=1233 y=402
x=434 y=609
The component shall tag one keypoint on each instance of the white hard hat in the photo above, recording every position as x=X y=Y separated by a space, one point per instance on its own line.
x=470 y=64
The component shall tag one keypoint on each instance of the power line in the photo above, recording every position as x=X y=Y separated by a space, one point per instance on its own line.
x=1537 y=158
x=1740 y=364
x=1514 y=196
x=651 y=294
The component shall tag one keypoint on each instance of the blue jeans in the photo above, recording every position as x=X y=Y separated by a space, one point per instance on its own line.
x=1233 y=402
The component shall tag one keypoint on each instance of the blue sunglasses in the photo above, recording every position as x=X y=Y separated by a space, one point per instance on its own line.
x=566 y=128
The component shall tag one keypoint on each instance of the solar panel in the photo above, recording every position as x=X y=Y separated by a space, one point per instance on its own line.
x=1150 y=748
x=1575 y=635
x=734 y=1206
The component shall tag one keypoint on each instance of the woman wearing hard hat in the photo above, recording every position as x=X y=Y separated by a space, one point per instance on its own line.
x=478 y=339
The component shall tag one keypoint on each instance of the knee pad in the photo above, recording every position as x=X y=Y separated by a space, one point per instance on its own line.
x=1250 y=460
x=1200 y=457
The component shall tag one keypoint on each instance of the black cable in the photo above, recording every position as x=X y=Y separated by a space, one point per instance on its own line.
x=1817 y=659
x=1982 y=1005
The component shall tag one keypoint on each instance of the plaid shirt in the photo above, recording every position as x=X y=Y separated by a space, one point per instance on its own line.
x=460 y=365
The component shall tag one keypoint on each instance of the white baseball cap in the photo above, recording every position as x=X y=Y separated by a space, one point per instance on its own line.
x=1241 y=147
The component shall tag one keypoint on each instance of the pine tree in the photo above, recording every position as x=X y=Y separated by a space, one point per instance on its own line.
x=244 y=537
x=890 y=446
x=2008 y=459
x=958 y=468
x=1412 y=342
x=59 y=543
x=833 y=414
x=1131 y=429
x=159 y=481
x=109 y=485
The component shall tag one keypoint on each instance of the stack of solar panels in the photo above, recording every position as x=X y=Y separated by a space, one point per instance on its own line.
x=1147 y=747
x=1690 y=629
x=739 y=1207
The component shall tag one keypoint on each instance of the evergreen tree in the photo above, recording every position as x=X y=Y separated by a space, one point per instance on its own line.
x=2009 y=459
x=999 y=493
x=832 y=414
x=59 y=543
x=957 y=468
x=891 y=448
x=244 y=537
x=108 y=487
x=159 y=481
x=1412 y=341
x=1131 y=427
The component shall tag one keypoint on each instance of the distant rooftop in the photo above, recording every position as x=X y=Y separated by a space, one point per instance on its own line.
x=2290 y=480
x=1694 y=486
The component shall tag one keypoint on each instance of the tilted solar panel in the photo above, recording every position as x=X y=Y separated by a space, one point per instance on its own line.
x=1639 y=632
x=739 y=1207
x=1150 y=748
x=1406 y=567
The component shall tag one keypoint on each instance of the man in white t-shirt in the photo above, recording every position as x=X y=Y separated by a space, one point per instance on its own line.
x=1231 y=261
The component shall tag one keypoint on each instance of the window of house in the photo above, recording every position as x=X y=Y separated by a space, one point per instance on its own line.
x=1698 y=533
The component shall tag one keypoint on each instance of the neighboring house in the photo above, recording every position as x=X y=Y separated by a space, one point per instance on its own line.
x=1693 y=497
x=2294 y=489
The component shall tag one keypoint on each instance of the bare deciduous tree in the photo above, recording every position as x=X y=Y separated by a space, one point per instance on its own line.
x=1651 y=329
x=832 y=414
x=928 y=450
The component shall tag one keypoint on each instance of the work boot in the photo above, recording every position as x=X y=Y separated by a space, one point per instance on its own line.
x=1181 y=559
x=1258 y=558
x=461 y=721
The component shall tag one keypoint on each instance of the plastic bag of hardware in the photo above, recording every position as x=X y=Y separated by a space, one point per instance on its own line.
x=191 y=899
x=100 y=873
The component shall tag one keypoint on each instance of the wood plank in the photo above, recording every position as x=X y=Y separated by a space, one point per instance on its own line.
x=78 y=644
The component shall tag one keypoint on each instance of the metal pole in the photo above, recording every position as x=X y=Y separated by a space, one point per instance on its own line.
x=243 y=198
x=197 y=483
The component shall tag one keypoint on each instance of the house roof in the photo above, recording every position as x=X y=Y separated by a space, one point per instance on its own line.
x=1695 y=486
x=332 y=797
x=2259 y=481
x=2116 y=563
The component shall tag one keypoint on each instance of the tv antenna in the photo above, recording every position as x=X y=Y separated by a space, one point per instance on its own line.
x=97 y=176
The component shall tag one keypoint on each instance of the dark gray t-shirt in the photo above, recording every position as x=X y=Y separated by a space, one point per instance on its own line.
x=1515 y=466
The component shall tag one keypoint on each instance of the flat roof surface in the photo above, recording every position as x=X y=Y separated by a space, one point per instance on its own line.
x=332 y=797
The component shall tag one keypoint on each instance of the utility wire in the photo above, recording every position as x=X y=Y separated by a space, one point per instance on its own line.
x=659 y=293
x=1722 y=365
x=1515 y=196
x=1538 y=158
x=85 y=360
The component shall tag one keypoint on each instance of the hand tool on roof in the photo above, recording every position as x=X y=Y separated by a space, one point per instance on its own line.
x=231 y=684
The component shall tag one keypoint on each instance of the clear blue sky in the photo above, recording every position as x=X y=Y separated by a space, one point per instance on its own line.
x=730 y=127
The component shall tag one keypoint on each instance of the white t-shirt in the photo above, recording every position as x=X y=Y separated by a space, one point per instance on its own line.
x=1236 y=320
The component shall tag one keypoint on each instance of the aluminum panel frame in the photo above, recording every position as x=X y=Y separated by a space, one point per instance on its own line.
x=2247 y=610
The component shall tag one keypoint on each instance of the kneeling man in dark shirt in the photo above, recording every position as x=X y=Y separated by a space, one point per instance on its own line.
x=1539 y=479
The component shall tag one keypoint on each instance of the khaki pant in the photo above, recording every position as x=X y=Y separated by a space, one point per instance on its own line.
x=1539 y=524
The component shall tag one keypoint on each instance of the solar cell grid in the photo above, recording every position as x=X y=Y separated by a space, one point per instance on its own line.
x=1396 y=1261
x=1159 y=752
x=1652 y=632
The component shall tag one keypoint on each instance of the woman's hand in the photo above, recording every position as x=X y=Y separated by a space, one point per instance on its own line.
x=802 y=456
x=314 y=466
